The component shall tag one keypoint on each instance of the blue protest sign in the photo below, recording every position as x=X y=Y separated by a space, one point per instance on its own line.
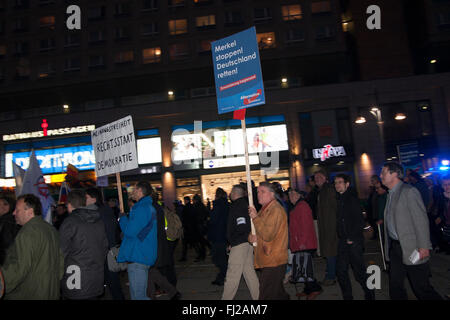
x=409 y=156
x=237 y=71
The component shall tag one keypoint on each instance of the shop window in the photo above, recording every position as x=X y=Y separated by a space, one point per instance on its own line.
x=46 y=70
x=262 y=15
x=96 y=13
x=324 y=32
x=179 y=51
x=47 y=22
x=292 y=12
x=151 y=55
x=321 y=7
x=266 y=40
x=72 y=64
x=72 y=40
x=149 y=5
x=47 y=44
x=124 y=57
x=96 y=36
x=177 y=26
x=233 y=18
x=96 y=61
x=295 y=36
x=205 y=22
x=149 y=29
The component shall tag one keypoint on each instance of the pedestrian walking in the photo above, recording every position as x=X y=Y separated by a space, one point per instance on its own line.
x=240 y=260
x=271 y=254
x=326 y=215
x=85 y=246
x=407 y=244
x=34 y=264
x=350 y=224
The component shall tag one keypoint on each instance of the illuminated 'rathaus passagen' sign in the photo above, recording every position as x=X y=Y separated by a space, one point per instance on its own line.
x=51 y=132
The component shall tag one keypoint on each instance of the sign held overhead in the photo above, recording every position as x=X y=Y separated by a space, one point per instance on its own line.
x=114 y=147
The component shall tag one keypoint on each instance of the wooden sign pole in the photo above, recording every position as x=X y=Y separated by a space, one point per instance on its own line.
x=119 y=191
x=249 y=178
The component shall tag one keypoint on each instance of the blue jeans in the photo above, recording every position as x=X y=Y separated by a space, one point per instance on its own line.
x=138 y=277
x=331 y=268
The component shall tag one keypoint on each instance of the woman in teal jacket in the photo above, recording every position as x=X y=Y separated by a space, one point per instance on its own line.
x=139 y=245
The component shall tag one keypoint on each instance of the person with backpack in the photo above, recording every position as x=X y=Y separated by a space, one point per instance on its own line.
x=303 y=243
x=174 y=232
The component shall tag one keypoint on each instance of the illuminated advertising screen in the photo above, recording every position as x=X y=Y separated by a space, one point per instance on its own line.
x=53 y=160
x=149 y=150
x=186 y=146
x=260 y=139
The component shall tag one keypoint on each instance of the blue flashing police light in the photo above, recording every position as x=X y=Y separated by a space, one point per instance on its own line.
x=445 y=162
x=444 y=168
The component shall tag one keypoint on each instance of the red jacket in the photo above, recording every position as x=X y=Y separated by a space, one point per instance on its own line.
x=302 y=235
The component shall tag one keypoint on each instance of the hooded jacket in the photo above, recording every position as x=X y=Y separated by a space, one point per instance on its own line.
x=84 y=245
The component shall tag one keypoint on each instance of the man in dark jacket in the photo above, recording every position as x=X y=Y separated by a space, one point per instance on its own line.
x=350 y=224
x=217 y=231
x=85 y=246
x=112 y=229
x=8 y=226
x=240 y=261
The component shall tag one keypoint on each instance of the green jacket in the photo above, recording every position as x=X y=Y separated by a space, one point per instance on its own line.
x=34 y=263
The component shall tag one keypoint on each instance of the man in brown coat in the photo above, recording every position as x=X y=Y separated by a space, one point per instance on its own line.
x=271 y=252
x=326 y=218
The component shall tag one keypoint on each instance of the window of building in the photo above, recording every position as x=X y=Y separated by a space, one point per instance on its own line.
x=443 y=18
x=47 y=22
x=72 y=64
x=292 y=12
x=21 y=4
x=46 y=2
x=47 y=44
x=122 y=9
x=96 y=13
x=72 y=40
x=266 y=40
x=23 y=69
x=46 y=70
x=324 y=32
x=150 y=5
x=205 y=22
x=122 y=33
x=176 y=3
x=96 y=36
x=177 y=26
x=20 y=25
x=2 y=50
x=124 y=57
x=21 y=48
x=149 y=29
x=321 y=7
x=262 y=15
x=179 y=51
x=233 y=18
x=202 y=2
x=295 y=35
x=151 y=55
x=204 y=46
x=96 y=61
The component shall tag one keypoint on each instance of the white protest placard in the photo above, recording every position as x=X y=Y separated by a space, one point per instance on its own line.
x=114 y=147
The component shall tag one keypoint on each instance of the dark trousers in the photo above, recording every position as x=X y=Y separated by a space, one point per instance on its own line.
x=112 y=281
x=418 y=276
x=156 y=278
x=352 y=255
x=220 y=259
x=271 y=283
x=169 y=270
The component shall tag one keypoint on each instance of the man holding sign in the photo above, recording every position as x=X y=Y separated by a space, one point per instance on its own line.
x=271 y=252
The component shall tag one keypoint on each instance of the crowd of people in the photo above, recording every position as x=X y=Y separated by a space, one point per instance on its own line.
x=269 y=242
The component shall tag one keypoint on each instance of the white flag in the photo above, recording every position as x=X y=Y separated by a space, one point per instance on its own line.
x=19 y=173
x=33 y=182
